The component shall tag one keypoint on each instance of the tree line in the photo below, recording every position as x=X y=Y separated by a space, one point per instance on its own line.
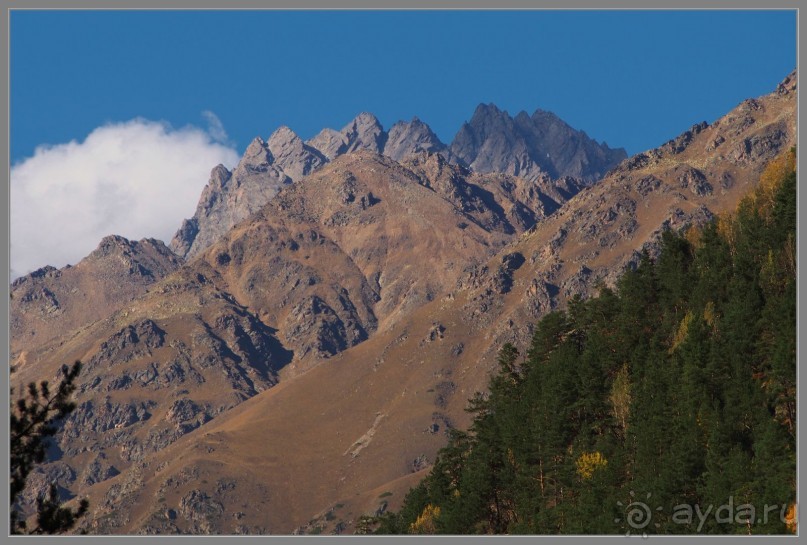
x=677 y=388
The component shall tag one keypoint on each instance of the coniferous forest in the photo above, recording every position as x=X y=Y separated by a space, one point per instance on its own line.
x=640 y=409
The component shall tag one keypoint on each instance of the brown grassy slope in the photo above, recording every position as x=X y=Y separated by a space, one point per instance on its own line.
x=49 y=302
x=362 y=243
x=345 y=430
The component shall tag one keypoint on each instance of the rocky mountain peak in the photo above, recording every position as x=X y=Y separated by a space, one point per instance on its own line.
x=364 y=132
x=489 y=109
x=295 y=157
x=230 y=197
x=257 y=153
x=282 y=135
x=255 y=145
x=219 y=176
x=365 y=119
x=110 y=244
x=329 y=142
x=406 y=139
x=531 y=146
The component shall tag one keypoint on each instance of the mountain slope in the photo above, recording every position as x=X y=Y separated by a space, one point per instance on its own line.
x=380 y=293
x=321 y=268
x=691 y=364
x=49 y=302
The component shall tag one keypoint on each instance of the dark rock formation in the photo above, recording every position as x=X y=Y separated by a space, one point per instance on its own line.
x=528 y=146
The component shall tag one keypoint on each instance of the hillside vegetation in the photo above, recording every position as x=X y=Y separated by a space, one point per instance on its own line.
x=678 y=388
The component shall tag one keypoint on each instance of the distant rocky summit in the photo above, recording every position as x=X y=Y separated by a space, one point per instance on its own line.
x=529 y=146
x=230 y=197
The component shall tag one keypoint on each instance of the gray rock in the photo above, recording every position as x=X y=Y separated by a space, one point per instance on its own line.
x=295 y=157
x=131 y=342
x=694 y=180
x=324 y=330
x=187 y=415
x=502 y=280
x=98 y=470
x=231 y=197
x=529 y=146
x=199 y=508
x=682 y=141
x=407 y=139
x=39 y=482
x=329 y=143
x=364 y=133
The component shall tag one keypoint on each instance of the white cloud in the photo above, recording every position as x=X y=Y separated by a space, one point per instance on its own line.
x=136 y=179
x=215 y=127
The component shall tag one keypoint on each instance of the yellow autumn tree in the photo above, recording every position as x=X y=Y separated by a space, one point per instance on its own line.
x=425 y=523
x=588 y=463
x=770 y=180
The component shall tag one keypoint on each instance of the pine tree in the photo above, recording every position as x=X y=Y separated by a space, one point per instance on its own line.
x=33 y=420
x=680 y=383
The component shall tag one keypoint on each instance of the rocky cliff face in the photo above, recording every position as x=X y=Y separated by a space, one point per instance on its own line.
x=292 y=155
x=529 y=146
x=230 y=197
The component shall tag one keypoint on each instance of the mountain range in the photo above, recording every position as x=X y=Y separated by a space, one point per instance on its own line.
x=296 y=356
x=538 y=148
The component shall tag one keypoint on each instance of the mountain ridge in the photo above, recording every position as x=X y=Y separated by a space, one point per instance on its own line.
x=287 y=158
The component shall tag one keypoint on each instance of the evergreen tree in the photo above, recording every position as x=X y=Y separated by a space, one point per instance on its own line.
x=680 y=383
x=33 y=420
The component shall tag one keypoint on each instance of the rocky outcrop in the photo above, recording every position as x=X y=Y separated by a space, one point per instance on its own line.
x=322 y=330
x=49 y=302
x=296 y=158
x=231 y=197
x=529 y=146
x=364 y=132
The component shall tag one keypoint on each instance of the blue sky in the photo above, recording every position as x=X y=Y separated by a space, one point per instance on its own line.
x=118 y=116
x=634 y=79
